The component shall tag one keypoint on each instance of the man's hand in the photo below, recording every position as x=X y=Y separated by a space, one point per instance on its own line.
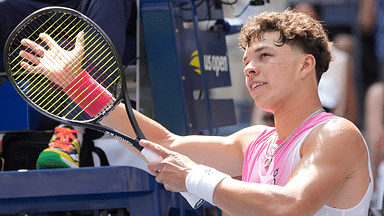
x=57 y=64
x=172 y=170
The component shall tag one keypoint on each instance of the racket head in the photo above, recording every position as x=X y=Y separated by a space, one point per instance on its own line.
x=99 y=59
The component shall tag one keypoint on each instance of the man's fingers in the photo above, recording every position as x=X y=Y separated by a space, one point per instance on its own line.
x=50 y=42
x=155 y=168
x=30 y=57
x=158 y=149
x=27 y=66
x=80 y=41
x=36 y=48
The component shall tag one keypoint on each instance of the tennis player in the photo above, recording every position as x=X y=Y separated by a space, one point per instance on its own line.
x=311 y=163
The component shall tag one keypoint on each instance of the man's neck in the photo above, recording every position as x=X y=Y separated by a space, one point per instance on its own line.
x=289 y=119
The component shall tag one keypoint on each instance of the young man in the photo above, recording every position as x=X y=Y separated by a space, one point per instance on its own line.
x=319 y=162
x=311 y=163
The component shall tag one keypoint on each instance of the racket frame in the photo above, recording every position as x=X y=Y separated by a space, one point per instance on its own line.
x=193 y=200
x=92 y=123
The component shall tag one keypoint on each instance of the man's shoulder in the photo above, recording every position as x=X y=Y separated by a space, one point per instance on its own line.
x=337 y=134
x=245 y=136
x=339 y=127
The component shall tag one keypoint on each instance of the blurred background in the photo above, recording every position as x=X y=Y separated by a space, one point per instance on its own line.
x=185 y=70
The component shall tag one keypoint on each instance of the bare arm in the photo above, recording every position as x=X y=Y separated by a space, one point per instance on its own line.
x=209 y=150
x=214 y=151
x=329 y=163
x=223 y=153
x=118 y=120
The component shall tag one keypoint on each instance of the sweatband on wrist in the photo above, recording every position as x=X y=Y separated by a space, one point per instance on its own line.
x=202 y=181
x=88 y=94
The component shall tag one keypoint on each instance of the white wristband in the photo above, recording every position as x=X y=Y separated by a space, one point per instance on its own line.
x=202 y=181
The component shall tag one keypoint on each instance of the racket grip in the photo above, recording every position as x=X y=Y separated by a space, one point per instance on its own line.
x=150 y=155
x=192 y=199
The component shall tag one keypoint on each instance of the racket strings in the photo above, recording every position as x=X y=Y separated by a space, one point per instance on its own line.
x=64 y=40
x=38 y=73
x=86 y=89
x=32 y=26
x=97 y=64
x=96 y=78
x=38 y=27
x=58 y=80
x=28 y=36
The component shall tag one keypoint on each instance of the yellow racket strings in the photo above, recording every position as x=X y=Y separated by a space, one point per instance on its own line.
x=97 y=54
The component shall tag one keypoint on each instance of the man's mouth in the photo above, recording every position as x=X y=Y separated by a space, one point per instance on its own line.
x=258 y=84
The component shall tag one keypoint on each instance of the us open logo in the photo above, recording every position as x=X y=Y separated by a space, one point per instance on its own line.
x=213 y=63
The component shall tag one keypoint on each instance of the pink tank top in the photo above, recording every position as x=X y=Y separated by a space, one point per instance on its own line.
x=286 y=159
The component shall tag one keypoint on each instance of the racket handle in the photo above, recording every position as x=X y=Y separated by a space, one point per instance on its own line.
x=150 y=155
x=192 y=199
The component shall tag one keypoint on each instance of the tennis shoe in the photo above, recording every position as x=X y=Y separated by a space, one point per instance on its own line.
x=63 y=151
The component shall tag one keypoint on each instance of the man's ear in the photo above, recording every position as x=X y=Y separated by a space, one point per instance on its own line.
x=309 y=64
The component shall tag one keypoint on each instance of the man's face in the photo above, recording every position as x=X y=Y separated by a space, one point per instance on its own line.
x=271 y=72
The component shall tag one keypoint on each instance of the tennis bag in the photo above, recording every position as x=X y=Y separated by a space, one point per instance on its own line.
x=21 y=149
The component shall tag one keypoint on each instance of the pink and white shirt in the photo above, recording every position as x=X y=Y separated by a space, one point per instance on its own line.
x=287 y=158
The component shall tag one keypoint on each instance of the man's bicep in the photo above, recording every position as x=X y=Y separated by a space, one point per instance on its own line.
x=328 y=159
x=315 y=181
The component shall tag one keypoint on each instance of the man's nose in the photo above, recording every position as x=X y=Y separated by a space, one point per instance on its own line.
x=249 y=71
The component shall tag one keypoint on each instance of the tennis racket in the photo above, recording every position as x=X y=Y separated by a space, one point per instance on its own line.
x=66 y=68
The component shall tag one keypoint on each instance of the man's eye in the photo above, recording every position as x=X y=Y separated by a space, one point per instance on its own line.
x=264 y=55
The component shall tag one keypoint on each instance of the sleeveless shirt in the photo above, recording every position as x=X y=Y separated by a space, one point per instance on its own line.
x=287 y=158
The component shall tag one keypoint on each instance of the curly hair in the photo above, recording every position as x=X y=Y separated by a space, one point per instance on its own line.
x=296 y=29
